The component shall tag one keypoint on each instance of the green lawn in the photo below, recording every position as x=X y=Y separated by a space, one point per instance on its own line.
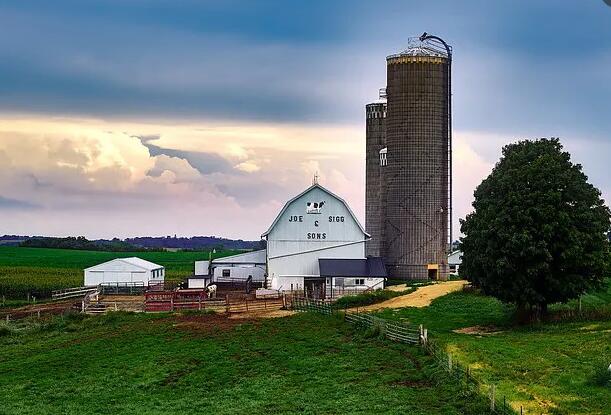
x=547 y=368
x=160 y=364
x=39 y=270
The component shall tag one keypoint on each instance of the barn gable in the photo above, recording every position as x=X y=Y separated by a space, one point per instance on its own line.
x=316 y=204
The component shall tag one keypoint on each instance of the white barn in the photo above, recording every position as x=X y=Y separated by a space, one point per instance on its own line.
x=313 y=226
x=126 y=271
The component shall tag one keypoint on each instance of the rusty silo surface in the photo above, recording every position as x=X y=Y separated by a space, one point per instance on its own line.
x=418 y=174
x=375 y=140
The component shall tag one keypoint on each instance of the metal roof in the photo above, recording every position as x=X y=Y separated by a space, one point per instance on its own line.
x=352 y=267
x=252 y=257
x=135 y=261
x=417 y=47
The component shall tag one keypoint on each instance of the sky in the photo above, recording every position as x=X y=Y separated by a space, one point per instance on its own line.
x=124 y=118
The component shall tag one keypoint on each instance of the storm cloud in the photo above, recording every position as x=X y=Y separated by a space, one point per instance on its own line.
x=129 y=117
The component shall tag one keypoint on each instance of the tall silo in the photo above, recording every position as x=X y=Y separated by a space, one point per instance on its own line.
x=418 y=174
x=375 y=140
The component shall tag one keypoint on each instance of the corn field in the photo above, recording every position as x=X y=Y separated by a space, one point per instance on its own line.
x=17 y=282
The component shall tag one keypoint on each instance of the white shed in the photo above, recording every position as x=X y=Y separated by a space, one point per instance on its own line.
x=126 y=271
x=454 y=262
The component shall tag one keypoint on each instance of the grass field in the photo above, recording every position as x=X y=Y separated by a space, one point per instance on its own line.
x=40 y=270
x=547 y=368
x=161 y=364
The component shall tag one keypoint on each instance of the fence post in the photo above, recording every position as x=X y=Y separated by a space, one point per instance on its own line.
x=8 y=318
x=579 y=304
x=492 y=402
x=200 y=302
x=38 y=312
x=426 y=336
x=83 y=306
x=449 y=362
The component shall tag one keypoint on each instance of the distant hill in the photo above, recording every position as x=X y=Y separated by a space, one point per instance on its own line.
x=12 y=239
x=195 y=242
x=141 y=243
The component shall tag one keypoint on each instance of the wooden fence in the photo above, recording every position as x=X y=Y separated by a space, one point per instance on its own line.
x=416 y=336
x=122 y=288
x=71 y=292
x=179 y=300
x=255 y=305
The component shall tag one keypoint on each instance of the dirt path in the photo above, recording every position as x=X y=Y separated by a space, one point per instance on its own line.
x=419 y=298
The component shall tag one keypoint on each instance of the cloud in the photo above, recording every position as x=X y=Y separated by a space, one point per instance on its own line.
x=8 y=203
x=205 y=163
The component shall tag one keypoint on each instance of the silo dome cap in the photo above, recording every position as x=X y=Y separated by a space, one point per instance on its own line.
x=418 y=47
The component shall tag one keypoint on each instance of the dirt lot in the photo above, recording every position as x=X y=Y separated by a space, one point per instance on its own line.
x=420 y=298
x=54 y=308
x=262 y=314
x=207 y=322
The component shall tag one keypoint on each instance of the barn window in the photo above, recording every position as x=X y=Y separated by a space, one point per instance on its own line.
x=359 y=281
x=226 y=273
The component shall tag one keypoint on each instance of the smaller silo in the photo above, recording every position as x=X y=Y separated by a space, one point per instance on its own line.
x=375 y=141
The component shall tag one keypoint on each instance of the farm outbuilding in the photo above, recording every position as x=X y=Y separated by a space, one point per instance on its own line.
x=454 y=262
x=231 y=268
x=124 y=271
x=314 y=226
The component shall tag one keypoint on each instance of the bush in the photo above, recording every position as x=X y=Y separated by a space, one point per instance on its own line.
x=5 y=330
x=601 y=375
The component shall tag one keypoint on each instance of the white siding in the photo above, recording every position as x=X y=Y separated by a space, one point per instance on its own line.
x=240 y=272
x=298 y=239
x=197 y=282
x=201 y=267
x=120 y=271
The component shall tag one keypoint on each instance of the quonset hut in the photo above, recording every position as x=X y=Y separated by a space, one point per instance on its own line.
x=409 y=207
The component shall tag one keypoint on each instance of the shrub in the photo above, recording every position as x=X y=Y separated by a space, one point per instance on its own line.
x=5 y=330
x=601 y=375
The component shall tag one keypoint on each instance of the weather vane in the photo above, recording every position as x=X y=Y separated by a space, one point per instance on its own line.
x=315 y=179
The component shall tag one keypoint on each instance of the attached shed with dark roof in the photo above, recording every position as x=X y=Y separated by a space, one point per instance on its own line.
x=371 y=267
x=353 y=274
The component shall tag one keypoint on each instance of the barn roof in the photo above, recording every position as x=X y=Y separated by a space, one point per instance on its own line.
x=135 y=261
x=316 y=185
x=252 y=257
x=371 y=267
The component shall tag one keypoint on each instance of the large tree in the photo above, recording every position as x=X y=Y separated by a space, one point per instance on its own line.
x=538 y=232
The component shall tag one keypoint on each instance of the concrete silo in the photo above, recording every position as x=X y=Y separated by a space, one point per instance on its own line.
x=375 y=141
x=417 y=179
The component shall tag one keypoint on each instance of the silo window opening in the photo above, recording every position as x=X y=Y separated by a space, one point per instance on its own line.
x=226 y=273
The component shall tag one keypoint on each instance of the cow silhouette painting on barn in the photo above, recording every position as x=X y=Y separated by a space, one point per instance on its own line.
x=314 y=207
